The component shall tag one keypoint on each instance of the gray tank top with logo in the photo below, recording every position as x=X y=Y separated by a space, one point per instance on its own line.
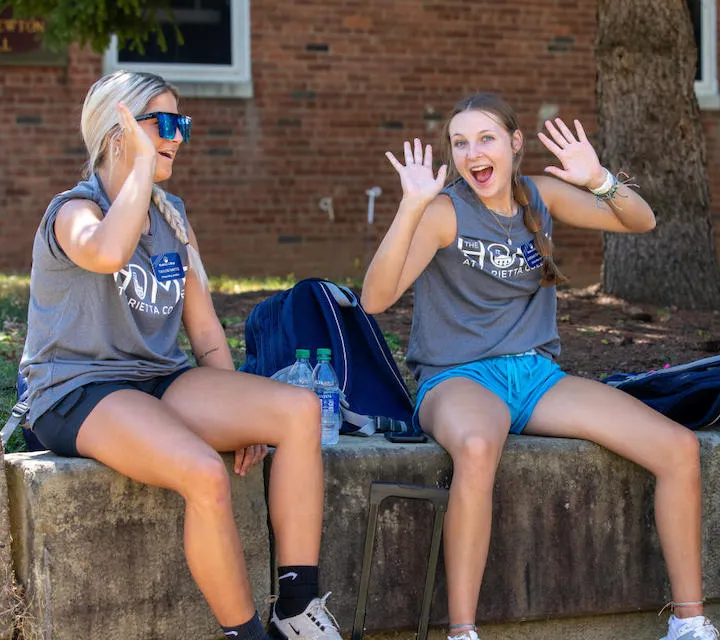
x=88 y=327
x=481 y=297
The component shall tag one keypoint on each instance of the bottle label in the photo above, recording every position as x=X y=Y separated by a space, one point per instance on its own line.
x=329 y=401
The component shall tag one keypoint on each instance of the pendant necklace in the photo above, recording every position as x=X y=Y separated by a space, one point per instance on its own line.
x=507 y=230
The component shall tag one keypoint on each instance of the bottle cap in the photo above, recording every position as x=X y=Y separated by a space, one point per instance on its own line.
x=324 y=354
x=302 y=353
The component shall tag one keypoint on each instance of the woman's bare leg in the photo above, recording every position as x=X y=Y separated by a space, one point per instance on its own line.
x=471 y=424
x=228 y=409
x=157 y=449
x=579 y=408
x=176 y=448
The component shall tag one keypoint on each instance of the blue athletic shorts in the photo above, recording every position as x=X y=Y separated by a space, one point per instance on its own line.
x=58 y=427
x=519 y=380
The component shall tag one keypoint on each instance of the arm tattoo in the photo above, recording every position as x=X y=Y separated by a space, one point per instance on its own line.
x=207 y=353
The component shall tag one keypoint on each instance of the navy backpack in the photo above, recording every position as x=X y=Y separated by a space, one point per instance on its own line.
x=687 y=393
x=317 y=313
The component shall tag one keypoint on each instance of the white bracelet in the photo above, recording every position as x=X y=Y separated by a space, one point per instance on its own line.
x=605 y=186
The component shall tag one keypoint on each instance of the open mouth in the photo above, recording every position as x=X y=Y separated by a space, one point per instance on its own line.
x=167 y=154
x=481 y=176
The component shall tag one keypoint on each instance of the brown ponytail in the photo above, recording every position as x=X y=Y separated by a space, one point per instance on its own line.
x=551 y=275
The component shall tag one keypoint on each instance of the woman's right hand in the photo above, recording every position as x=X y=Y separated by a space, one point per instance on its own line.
x=137 y=142
x=416 y=175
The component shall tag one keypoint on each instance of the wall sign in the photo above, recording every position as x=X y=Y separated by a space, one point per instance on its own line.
x=21 y=42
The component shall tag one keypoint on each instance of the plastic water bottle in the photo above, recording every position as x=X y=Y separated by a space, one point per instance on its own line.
x=301 y=373
x=325 y=383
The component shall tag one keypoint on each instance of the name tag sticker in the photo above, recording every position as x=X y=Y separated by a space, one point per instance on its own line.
x=532 y=257
x=167 y=266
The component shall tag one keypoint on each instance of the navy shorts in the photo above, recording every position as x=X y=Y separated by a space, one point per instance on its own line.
x=58 y=427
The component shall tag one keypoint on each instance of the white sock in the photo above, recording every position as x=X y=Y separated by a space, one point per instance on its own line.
x=694 y=621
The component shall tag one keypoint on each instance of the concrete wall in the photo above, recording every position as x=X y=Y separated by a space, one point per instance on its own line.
x=10 y=605
x=101 y=556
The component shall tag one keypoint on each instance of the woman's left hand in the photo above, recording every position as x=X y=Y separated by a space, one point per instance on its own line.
x=581 y=165
x=248 y=457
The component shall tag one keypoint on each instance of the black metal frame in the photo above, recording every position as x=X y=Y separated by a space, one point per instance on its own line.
x=378 y=492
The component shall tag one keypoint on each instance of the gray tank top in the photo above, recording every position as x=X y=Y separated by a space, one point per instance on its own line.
x=481 y=297
x=90 y=327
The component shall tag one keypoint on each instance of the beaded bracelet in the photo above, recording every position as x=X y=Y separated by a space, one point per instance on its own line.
x=608 y=190
x=610 y=180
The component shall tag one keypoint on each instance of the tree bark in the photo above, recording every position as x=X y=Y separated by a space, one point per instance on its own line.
x=649 y=126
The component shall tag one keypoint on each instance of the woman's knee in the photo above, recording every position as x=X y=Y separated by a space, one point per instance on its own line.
x=476 y=455
x=206 y=481
x=684 y=452
x=302 y=415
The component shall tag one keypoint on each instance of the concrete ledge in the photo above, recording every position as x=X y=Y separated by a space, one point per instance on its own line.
x=101 y=555
x=9 y=598
x=573 y=532
x=640 y=625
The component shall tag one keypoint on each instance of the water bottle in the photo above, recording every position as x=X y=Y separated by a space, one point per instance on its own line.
x=325 y=383
x=301 y=373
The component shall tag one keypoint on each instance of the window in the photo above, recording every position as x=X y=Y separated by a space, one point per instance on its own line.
x=704 y=20
x=214 y=59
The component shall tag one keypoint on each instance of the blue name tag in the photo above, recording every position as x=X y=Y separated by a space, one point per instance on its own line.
x=532 y=257
x=167 y=266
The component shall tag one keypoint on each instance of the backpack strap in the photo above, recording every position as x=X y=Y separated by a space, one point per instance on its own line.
x=392 y=425
x=366 y=425
x=17 y=417
x=342 y=295
x=369 y=425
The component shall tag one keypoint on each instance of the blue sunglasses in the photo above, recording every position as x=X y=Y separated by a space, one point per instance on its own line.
x=169 y=123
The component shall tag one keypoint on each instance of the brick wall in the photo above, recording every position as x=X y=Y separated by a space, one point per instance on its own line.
x=319 y=125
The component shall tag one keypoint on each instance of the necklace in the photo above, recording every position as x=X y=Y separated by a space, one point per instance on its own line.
x=507 y=230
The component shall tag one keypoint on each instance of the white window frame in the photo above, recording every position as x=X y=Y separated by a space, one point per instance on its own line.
x=706 y=89
x=204 y=80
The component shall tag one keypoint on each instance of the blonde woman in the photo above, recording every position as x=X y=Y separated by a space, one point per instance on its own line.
x=116 y=271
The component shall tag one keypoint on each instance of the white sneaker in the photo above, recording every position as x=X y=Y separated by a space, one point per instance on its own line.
x=469 y=634
x=699 y=628
x=315 y=623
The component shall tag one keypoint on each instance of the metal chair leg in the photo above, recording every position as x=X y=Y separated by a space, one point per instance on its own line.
x=379 y=491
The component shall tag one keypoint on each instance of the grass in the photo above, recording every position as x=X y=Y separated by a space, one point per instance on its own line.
x=226 y=284
x=14 y=295
x=14 y=292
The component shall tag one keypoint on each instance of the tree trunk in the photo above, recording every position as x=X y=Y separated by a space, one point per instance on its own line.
x=649 y=126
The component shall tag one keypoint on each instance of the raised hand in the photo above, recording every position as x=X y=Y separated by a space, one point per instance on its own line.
x=580 y=163
x=137 y=142
x=416 y=175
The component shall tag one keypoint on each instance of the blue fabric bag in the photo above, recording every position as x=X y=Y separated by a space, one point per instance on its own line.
x=687 y=393
x=318 y=313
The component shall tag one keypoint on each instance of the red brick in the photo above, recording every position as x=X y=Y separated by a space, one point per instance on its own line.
x=315 y=126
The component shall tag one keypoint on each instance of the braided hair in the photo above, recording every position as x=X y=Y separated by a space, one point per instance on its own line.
x=494 y=105
x=174 y=219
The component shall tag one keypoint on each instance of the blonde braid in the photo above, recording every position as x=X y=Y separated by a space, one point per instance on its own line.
x=174 y=219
